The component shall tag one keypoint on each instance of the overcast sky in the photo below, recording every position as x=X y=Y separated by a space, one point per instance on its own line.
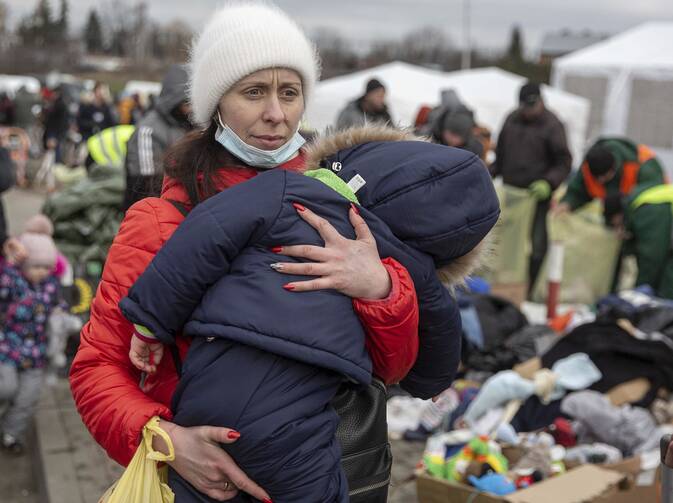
x=366 y=20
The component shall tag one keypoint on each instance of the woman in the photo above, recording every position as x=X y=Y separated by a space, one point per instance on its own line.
x=265 y=59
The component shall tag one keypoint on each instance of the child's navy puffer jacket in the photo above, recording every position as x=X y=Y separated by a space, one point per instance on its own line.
x=426 y=205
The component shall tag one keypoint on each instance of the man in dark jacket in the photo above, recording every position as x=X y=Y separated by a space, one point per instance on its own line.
x=532 y=153
x=370 y=107
x=166 y=123
x=646 y=217
x=57 y=121
x=97 y=115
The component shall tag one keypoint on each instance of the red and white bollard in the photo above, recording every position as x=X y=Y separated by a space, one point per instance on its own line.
x=554 y=277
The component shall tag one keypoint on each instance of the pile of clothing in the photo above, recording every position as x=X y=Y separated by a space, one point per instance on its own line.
x=533 y=402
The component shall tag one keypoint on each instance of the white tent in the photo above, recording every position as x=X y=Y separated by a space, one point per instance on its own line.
x=492 y=93
x=629 y=80
x=10 y=84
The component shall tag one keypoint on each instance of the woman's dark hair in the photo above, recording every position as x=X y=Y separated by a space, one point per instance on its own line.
x=194 y=160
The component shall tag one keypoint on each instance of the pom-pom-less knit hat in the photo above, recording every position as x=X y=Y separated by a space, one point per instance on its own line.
x=240 y=39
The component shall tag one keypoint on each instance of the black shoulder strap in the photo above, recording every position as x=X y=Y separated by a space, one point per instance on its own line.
x=181 y=207
x=177 y=361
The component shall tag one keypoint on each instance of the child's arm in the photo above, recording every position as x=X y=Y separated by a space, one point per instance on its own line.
x=146 y=350
x=200 y=252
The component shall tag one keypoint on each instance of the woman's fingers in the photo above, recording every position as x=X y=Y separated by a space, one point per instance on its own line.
x=326 y=230
x=310 y=285
x=301 y=269
x=362 y=232
x=309 y=252
x=220 y=435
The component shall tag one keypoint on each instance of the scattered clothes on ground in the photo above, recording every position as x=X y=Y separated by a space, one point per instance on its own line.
x=563 y=432
x=572 y=373
x=534 y=415
x=662 y=410
x=619 y=356
x=596 y=453
x=404 y=413
x=499 y=319
x=630 y=429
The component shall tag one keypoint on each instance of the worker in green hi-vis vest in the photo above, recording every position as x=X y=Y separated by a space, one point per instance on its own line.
x=646 y=217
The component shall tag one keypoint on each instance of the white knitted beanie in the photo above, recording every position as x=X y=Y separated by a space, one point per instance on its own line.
x=240 y=39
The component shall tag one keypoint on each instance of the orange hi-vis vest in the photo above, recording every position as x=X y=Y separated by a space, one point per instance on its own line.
x=629 y=179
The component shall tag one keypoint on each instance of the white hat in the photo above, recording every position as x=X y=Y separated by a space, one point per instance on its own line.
x=240 y=39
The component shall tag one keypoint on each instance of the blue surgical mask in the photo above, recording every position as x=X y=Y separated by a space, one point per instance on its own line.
x=253 y=156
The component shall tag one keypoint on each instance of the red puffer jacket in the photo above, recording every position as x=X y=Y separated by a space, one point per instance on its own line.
x=104 y=383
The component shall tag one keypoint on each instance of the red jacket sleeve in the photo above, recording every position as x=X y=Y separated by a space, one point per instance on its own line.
x=391 y=325
x=104 y=383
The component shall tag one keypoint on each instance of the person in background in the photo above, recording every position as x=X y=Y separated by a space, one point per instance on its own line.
x=455 y=130
x=611 y=166
x=6 y=110
x=57 y=121
x=96 y=115
x=29 y=292
x=166 y=123
x=645 y=219
x=369 y=108
x=532 y=153
x=24 y=101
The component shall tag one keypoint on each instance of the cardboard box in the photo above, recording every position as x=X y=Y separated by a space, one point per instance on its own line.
x=585 y=484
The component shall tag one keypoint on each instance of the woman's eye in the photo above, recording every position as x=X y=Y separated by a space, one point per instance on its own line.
x=290 y=93
x=254 y=92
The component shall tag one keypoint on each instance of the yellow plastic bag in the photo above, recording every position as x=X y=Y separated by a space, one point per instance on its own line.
x=143 y=481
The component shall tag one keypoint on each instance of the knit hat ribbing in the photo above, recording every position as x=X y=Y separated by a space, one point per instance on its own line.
x=240 y=39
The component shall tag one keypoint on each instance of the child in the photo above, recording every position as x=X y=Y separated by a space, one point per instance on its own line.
x=28 y=294
x=280 y=357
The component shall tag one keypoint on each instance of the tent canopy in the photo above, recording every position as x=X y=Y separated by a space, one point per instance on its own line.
x=648 y=45
x=492 y=94
x=629 y=81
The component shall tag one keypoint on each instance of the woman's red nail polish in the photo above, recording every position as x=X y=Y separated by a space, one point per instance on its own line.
x=355 y=208
x=288 y=287
x=267 y=500
x=299 y=207
x=233 y=435
x=277 y=249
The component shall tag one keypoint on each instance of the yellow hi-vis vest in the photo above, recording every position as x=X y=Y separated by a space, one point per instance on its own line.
x=108 y=148
x=658 y=194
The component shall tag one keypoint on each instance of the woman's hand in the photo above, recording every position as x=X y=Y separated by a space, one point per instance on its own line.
x=350 y=266
x=204 y=464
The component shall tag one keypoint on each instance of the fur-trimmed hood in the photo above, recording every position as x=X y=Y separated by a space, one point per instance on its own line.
x=447 y=193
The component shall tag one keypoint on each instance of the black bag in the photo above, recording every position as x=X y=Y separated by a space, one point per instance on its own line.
x=362 y=432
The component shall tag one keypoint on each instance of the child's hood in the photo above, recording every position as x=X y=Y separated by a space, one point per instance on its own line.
x=437 y=199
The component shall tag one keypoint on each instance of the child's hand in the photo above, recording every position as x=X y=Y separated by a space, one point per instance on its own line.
x=145 y=356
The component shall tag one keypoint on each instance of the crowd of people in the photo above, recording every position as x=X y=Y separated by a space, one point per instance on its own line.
x=265 y=257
